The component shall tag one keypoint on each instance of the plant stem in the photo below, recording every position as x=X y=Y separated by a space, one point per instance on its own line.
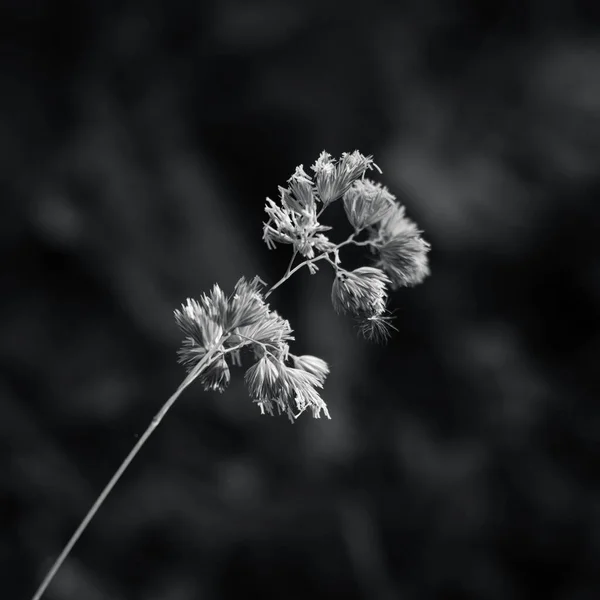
x=289 y=272
x=197 y=370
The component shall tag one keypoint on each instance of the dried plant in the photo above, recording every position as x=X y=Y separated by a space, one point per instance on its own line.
x=218 y=328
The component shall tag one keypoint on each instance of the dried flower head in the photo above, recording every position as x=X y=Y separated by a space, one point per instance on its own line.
x=334 y=179
x=402 y=251
x=201 y=328
x=367 y=203
x=217 y=375
x=300 y=386
x=360 y=292
x=313 y=365
x=273 y=331
x=262 y=378
x=301 y=229
x=246 y=306
x=271 y=383
x=300 y=196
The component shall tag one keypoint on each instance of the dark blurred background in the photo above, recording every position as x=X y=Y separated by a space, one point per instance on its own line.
x=138 y=141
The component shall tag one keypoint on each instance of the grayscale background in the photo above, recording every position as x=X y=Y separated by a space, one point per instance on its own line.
x=138 y=141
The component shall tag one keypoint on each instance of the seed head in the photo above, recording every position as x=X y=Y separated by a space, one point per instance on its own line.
x=376 y=328
x=273 y=331
x=201 y=328
x=402 y=250
x=271 y=384
x=247 y=306
x=360 y=292
x=300 y=196
x=300 y=386
x=367 y=203
x=313 y=365
x=287 y=226
x=217 y=375
x=334 y=179
x=262 y=378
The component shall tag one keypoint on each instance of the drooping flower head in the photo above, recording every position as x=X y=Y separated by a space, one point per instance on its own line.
x=334 y=178
x=217 y=327
x=367 y=203
x=273 y=384
x=295 y=220
x=313 y=365
x=402 y=251
x=201 y=328
x=360 y=292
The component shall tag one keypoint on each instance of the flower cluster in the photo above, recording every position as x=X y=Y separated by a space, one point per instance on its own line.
x=333 y=179
x=367 y=203
x=295 y=220
x=272 y=383
x=218 y=327
x=361 y=291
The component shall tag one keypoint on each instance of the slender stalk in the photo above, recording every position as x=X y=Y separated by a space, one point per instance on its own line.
x=194 y=373
x=197 y=370
x=296 y=268
x=325 y=255
x=287 y=271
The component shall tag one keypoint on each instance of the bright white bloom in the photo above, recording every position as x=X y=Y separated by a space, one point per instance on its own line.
x=302 y=230
x=217 y=375
x=367 y=203
x=246 y=306
x=295 y=220
x=300 y=196
x=273 y=331
x=201 y=328
x=262 y=378
x=312 y=364
x=273 y=384
x=334 y=179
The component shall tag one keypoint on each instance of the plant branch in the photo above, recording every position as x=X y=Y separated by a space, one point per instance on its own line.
x=323 y=256
x=193 y=374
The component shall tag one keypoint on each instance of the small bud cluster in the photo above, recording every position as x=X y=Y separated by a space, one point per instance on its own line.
x=222 y=326
x=218 y=327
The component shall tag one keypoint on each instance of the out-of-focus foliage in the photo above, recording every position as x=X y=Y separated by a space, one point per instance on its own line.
x=138 y=141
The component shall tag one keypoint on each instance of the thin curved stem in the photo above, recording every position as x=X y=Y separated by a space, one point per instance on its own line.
x=296 y=268
x=295 y=253
x=193 y=374
x=323 y=256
